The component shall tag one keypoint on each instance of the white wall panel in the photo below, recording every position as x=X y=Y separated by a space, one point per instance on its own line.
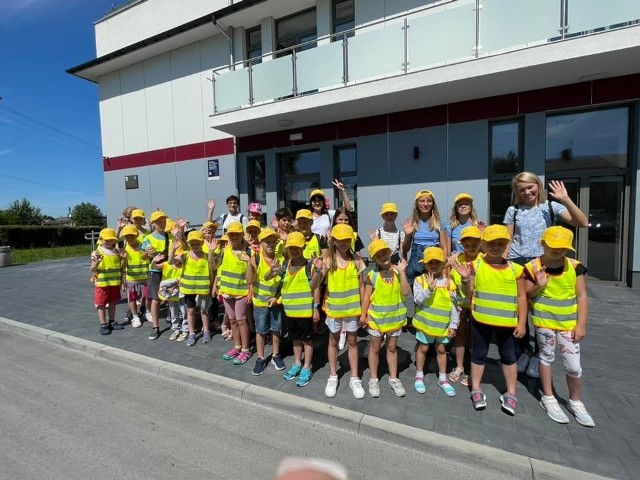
x=159 y=102
x=191 y=184
x=214 y=52
x=111 y=115
x=186 y=85
x=134 y=119
x=162 y=180
x=220 y=189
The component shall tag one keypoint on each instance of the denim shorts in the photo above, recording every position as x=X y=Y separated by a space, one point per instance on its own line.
x=268 y=319
x=428 y=340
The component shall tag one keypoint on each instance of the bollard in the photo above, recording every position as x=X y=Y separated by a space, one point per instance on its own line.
x=5 y=257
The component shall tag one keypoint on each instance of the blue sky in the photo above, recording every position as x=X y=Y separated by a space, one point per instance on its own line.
x=50 y=151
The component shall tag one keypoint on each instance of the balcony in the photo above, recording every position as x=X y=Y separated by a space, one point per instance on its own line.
x=451 y=51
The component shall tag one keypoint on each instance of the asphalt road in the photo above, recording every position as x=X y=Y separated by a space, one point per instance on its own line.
x=65 y=415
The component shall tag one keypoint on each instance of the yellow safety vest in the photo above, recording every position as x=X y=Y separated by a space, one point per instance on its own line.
x=195 y=278
x=137 y=268
x=109 y=273
x=311 y=247
x=343 y=292
x=463 y=301
x=264 y=289
x=495 y=299
x=232 y=275
x=433 y=316
x=556 y=306
x=170 y=272
x=387 y=311
x=297 y=296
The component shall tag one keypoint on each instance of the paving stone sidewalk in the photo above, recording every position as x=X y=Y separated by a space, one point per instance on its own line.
x=57 y=295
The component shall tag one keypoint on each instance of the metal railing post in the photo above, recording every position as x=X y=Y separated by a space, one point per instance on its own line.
x=564 y=16
x=294 y=65
x=345 y=59
x=213 y=82
x=477 y=48
x=405 y=47
x=250 y=83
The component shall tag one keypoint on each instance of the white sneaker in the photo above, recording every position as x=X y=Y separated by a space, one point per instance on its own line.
x=332 y=387
x=374 y=388
x=397 y=387
x=343 y=340
x=533 y=369
x=523 y=362
x=148 y=316
x=356 y=388
x=136 y=322
x=552 y=407
x=581 y=414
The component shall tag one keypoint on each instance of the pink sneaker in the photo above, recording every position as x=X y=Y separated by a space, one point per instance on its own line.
x=242 y=357
x=231 y=354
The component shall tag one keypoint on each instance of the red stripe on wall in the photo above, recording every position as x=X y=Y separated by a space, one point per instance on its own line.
x=169 y=155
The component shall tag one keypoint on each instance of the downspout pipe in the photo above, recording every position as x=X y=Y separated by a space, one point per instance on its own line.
x=232 y=58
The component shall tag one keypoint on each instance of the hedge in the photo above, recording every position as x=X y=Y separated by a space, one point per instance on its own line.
x=36 y=236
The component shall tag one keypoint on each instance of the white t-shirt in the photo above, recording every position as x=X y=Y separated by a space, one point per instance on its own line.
x=393 y=239
x=226 y=218
x=322 y=224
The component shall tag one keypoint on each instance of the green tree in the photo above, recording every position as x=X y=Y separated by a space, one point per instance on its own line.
x=22 y=212
x=85 y=214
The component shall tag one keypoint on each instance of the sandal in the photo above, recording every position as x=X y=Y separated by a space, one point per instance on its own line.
x=464 y=380
x=227 y=334
x=455 y=374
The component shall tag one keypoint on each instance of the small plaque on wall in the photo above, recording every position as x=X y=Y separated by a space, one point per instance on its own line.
x=130 y=182
x=213 y=169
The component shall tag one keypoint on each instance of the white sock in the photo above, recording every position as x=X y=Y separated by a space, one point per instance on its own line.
x=442 y=377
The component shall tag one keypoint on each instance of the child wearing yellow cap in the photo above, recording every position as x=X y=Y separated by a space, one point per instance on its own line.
x=175 y=300
x=435 y=319
x=342 y=271
x=558 y=300
x=315 y=245
x=384 y=311
x=463 y=214
x=499 y=306
x=389 y=232
x=469 y=238
x=136 y=272
x=106 y=270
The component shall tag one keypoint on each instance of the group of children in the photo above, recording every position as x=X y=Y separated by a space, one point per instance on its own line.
x=456 y=286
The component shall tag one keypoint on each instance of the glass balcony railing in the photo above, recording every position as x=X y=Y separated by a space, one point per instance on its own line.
x=442 y=34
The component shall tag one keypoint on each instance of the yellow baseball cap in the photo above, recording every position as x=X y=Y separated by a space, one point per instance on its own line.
x=195 y=236
x=377 y=246
x=470 y=232
x=295 y=239
x=463 y=196
x=558 y=237
x=224 y=238
x=235 y=227
x=156 y=215
x=129 y=230
x=169 y=225
x=304 y=213
x=422 y=193
x=316 y=192
x=266 y=233
x=388 y=207
x=432 y=253
x=495 y=232
x=137 y=213
x=342 y=231
x=253 y=224
x=108 y=234
x=208 y=224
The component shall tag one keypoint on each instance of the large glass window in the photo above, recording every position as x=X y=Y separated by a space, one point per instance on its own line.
x=299 y=176
x=588 y=140
x=257 y=181
x=254 y=45
x=346 y=170
x=344 y=16
x=297 y=29
x=506 y=147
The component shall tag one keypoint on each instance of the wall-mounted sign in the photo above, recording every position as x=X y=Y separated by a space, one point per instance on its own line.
x=213 y=168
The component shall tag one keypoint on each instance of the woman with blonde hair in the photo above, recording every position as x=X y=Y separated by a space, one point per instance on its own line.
x=463 y=214
x=423 y=230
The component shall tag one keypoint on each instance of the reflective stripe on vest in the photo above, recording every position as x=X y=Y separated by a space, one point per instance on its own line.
x=387 y=311
x=264 y=289
x=232 y=275
x=195 y=278
x=556 y=306
x=434 y=315
x=109 y=273
x=297 y=296
x=343 y=292
x=137 y=268
x=495 y=299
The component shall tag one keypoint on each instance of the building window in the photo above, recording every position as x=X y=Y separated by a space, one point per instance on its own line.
x=254 y=45
x=297 y=29
x=586 y=140
x=506 y=148
x=299 y=176
x=131 y=182
x=346 y=170
x=344 y=17
x=257 y=182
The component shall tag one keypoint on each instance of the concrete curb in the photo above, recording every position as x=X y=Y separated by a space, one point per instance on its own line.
x=368 y=426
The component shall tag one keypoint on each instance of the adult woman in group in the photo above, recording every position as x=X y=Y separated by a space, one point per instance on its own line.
x=322 y=216
x=423 y=230
x=526 y=219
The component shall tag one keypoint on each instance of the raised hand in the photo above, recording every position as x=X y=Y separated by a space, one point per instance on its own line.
x=431 y=280
x=402 y=266
x=453 y=258
x=181 y=222
x=318 y=263
x=122 y=222
x=408 y=226
x=212 y=243
x=175 y=231
x=338 y=184
x=542 y=278
x=558 y=191
x=275 y=266
x=243 y=256
x=211 y=204
x=465 y=269
x=373 y=234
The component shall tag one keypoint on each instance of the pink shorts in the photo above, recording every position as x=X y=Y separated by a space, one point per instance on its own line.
x=236 y=308
x=106 y=295
x=136 y=291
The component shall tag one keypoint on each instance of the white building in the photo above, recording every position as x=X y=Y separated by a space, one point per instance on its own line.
x=389 y=95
